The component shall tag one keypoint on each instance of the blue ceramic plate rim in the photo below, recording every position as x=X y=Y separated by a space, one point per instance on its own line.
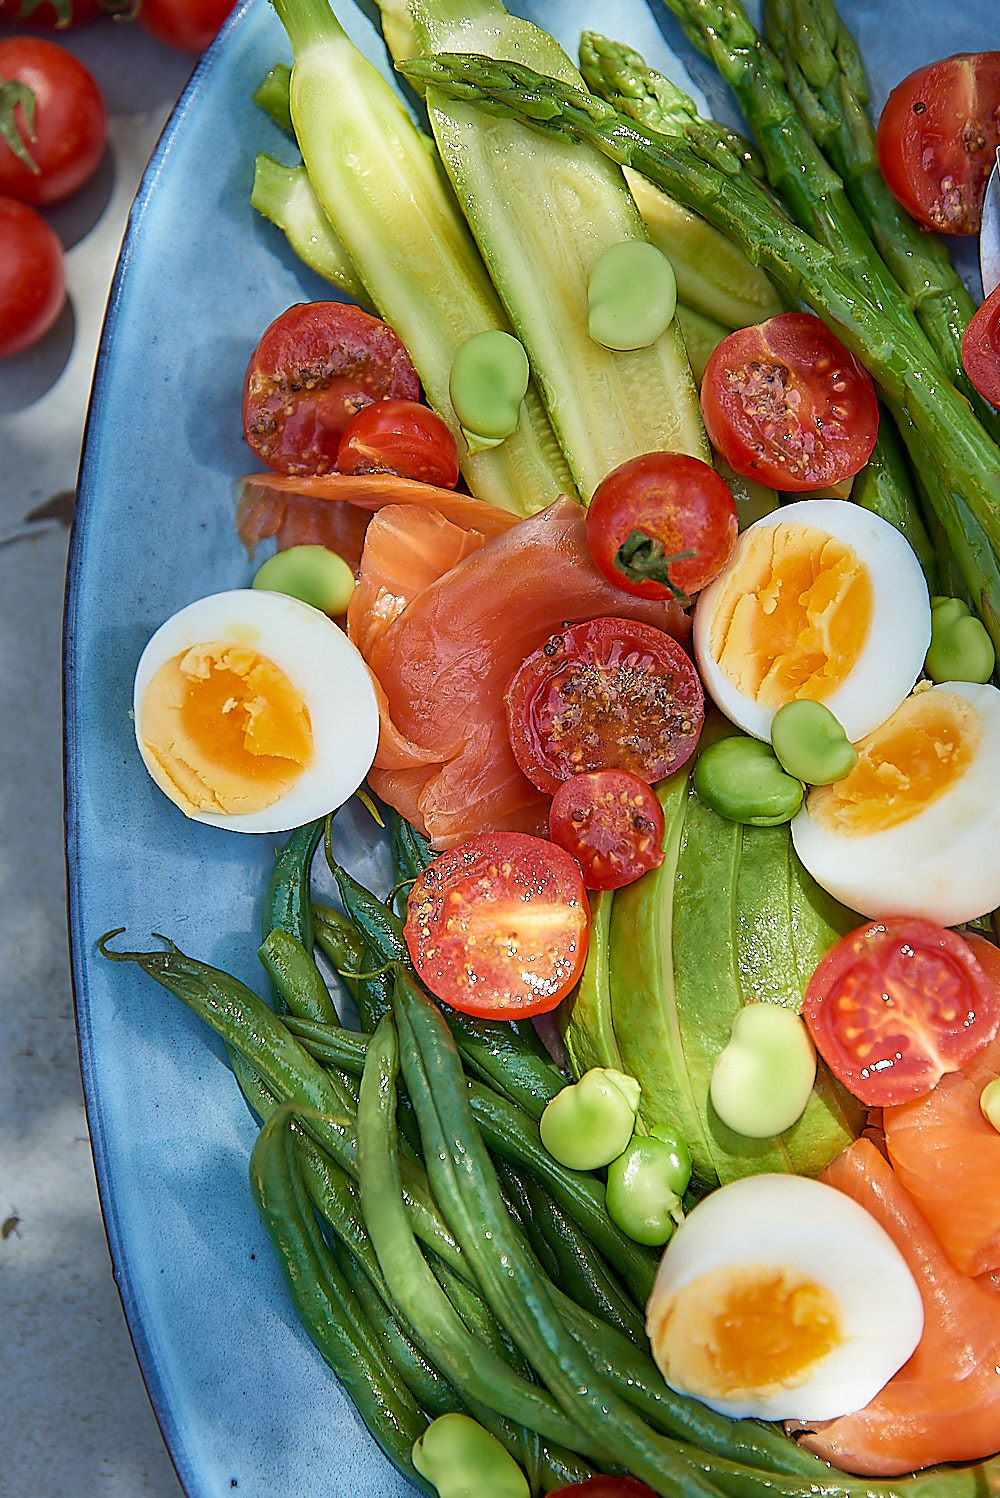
x=278 y=1425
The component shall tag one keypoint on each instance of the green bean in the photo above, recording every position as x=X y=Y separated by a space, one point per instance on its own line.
x=465 y=1185
x=295 y=976
x=324 y=1303
x=356 y=966
x=286 y=895
x=437 y=1327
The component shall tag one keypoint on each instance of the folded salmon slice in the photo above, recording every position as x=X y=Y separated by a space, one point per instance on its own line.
x=944 y=1403
x=444 y=652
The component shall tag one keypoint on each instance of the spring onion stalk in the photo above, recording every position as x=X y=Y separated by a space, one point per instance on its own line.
x=393 y=212
x=285 y=195
x=707 y=178
x=542 y=213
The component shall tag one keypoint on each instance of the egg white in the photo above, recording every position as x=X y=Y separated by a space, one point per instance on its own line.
x=943 y=863
x=893 y=653
x=319 y=661
x=794 y=1223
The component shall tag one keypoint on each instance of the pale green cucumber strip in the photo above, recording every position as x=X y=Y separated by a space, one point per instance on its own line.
x=542 y=212
x=585 y=1022
x=706 y=979
x=641 y=983
x=702 y=336
x=713 y=274
x=284 y=194
x=385 y=196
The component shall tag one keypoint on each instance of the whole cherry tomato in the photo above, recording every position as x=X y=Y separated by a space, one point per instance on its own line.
x=661 y=525
x=786 y=404
x=403 y=437
x=188 y=25
x=68 y=126
x=50 y=15
x=937 y=139
x=32 y=277
x=314 y=368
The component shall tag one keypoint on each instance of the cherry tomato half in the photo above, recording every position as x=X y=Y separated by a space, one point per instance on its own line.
x=895 y=1005
x=32 y=277
x=607 y=694
x=403 y=437
x=498 y=925
x=612 y=823
x=981 y=348
x=786 y=404
x=312 y=371
x=652 y=510
x=937 y=139
x=607 y=1487
x=188 y=25
x=69 y=127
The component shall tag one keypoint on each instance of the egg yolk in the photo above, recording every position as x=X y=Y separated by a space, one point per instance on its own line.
x=905 y=765
x=225 y=729
x=793 y=616
x=741 y=1331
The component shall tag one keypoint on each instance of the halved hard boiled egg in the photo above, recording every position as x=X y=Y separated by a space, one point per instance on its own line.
x=781 y=1297
x=914 y=828
x=821 y=599
x=254 y=711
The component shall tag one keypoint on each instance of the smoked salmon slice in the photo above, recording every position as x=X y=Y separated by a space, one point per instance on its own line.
x=944 y=1403
x=333 y=509
x=443 y=656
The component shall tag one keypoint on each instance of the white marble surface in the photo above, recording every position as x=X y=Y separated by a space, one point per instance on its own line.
x=74 y=1415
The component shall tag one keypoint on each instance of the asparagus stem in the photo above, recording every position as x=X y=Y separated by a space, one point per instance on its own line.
x=707 y=178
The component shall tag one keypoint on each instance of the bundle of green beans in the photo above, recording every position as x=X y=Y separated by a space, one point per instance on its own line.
x=439 y=1259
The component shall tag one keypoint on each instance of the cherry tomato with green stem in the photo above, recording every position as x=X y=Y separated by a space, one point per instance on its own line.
x=402 y=437
x=937 y=138
x=662 y=525
x=612 y=823
x=315 y=367
x=50 y=15
x=53 y=121
x=32 y=277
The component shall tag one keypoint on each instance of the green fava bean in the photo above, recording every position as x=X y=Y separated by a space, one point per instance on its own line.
x=810 y=743
x=645 y=1186
x=589 y=1123
x=314 y=574
x=489 y=377
x=762 y=1080
x=464 y=1460
x=989 y=1102
x=960 y=648
x=740 y=779
x=632 y=295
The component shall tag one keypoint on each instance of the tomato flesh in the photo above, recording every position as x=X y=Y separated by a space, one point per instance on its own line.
x=607 y=694
x=401 y=437
x=787 y=405
x=314 y=368
x=498 y=925
x=69 y=127
x=895 y=1005
x=612 y=823
x=32 y=277
x=937 y=138
x=981 y=348
x=679 y=505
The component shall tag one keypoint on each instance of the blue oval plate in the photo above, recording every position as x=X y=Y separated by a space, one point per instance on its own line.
x=245 y=1402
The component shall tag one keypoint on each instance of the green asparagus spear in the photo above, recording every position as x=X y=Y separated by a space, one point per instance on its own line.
x=703 y=175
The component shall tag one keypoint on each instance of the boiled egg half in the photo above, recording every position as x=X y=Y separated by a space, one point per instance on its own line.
x=782 y=1298
x=914 y=828
x=254 y=711
x=821 y=599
